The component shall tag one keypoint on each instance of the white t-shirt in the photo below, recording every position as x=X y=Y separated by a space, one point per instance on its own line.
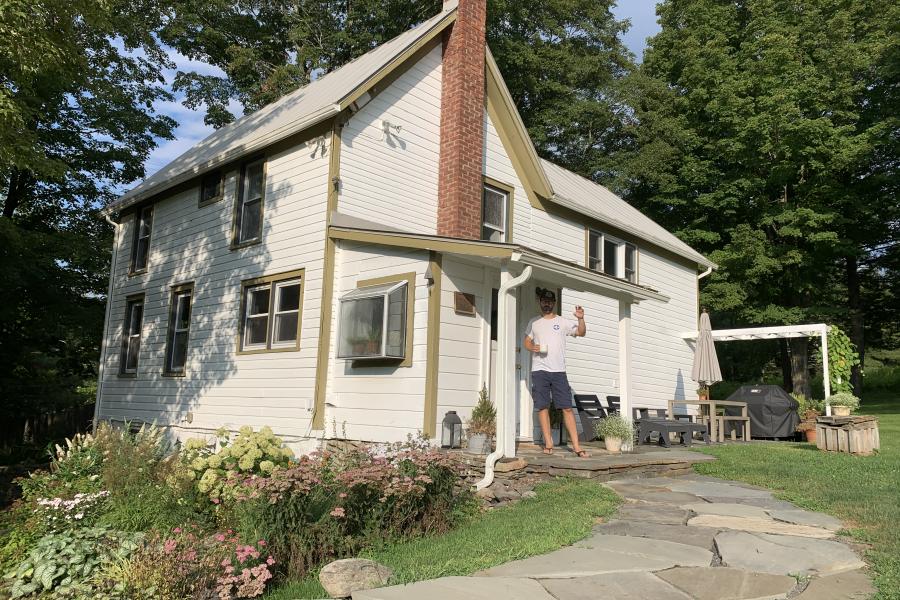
x=552 y=333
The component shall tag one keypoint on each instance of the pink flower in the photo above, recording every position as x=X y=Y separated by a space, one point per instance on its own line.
x=216 y=500
x=225 y=562
x=338 y=512
x=270 y=561
x=220 y=537
x=169 y=546
x=261 y=543
x=176 y=530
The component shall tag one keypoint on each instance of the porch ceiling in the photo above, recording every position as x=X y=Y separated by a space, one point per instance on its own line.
x=545 y=267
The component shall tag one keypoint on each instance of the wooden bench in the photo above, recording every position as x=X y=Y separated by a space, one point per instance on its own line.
x=647 y=425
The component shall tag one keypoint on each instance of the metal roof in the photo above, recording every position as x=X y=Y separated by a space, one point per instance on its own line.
x=291 y=114
x=586 y=197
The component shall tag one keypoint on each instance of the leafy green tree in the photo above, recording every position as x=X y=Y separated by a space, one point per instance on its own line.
x=754 y=138
x=78 y=81
x=561 y=59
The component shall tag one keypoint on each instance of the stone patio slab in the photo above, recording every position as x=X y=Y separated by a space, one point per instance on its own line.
x=706 y=489
x=671 y=515
x=761 y=525
x=727 y=510
x=453 y=588
x=785 y=555
x=723 y=583
x=662 y=496
x=702 y=537
x=770 y=503
x=807 y=517
x=618 y=586
x=604 y=554
x=853 y=585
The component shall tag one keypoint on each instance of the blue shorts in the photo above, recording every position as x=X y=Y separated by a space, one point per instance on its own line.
x=546 y=385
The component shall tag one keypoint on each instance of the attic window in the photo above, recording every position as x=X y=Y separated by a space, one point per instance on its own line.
x=373 y=322
x=612 y=256
x=211 y=188
x=494 y=209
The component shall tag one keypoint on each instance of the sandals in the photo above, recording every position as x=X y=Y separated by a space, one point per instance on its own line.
x=582 y=454
x=548 y=449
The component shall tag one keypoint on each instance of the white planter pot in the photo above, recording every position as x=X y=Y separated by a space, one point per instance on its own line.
x=613 y=445
x=479 y=443
x=840 y=411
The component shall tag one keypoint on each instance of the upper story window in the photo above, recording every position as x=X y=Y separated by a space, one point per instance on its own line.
x=612 y=256
x=179 y=329
x=140 y=249
x=375 y=320
x=495 y=207
x=211 y=188
x=248 y=217
x=131 y=336
x=271 y=313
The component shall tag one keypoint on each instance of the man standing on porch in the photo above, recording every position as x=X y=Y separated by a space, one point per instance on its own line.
x=545 y=337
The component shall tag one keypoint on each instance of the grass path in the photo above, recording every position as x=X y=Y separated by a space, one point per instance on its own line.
x=863 y=491
x=562 y=513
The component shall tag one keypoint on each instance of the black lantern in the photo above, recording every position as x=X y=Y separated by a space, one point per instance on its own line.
x=451 y=431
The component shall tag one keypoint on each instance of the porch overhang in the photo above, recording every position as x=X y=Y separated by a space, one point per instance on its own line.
x=545 y=267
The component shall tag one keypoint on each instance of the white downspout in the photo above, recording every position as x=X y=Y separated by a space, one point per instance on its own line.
x=109 y=292
x=504 y=353
x=704 y=273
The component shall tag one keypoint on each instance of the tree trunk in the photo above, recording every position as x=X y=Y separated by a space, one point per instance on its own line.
x=799 y=366
x=785 y=356
x=857 y=321
x=19 y=181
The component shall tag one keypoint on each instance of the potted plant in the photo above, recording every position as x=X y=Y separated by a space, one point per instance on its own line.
x=808 y=427
x=843 y=403
x=482 y=424
x=614 y=430
x=808 y=409
x=703 y=392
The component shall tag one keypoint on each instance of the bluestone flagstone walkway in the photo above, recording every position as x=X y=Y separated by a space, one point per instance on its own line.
x=678 y=538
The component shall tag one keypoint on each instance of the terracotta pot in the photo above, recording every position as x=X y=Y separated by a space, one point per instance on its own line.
x=840 y=411
x=613 y=445
x=810 y=435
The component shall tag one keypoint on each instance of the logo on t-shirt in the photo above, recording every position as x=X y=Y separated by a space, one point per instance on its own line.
x=556 y=327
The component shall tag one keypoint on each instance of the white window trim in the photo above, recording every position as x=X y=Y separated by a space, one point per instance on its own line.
x=139 y=237
x=504 y=216
x=176 y=314
x=130 y=337
x=247 y=315
x=275 y=312
x=245 y=200
x=620 y=254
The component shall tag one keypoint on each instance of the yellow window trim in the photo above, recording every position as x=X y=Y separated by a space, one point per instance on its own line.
x=510 y=203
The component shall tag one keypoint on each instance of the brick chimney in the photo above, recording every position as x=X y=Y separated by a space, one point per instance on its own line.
x=460 y=171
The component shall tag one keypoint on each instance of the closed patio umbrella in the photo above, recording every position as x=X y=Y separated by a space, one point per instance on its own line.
x=706 y=364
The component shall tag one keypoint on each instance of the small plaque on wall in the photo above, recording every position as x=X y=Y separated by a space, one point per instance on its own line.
x=464 y=303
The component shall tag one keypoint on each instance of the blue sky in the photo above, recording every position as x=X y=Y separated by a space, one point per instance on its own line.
x=191 y=129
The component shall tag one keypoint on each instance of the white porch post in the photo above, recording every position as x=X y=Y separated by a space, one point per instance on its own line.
x=625 y=398
x=826 y=373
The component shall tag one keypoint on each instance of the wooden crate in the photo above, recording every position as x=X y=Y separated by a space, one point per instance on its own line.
x=854 y=435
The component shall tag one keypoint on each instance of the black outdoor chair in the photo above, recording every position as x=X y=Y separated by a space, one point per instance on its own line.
x=612 y=405
x=590 y=411
x=661 y=424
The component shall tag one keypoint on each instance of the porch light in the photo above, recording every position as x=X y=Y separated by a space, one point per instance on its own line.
x=451 y=431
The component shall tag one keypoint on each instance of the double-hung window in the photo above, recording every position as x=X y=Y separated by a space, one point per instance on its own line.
x=271 y=313
x=140 y=249
x=248 y=217
x=211 y=188
x=131 y=336
x=375 y=320
x=494 y=213
x=179 y=329
x=612 y=256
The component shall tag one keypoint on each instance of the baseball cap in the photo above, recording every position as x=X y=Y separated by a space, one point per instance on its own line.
x=545 y=294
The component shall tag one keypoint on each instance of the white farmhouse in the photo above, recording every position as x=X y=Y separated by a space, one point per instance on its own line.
x=361 y=256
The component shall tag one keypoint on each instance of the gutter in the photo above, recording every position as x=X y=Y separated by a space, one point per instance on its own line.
x=109 y=292
x=505 y=433
x=704 y=273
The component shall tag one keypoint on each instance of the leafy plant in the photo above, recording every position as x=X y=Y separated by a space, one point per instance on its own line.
x=484 y=415
x=75 y=468
x=64 y=563
x=842 y=357
x=250 y=453
x=844 y=399
x=615 y=426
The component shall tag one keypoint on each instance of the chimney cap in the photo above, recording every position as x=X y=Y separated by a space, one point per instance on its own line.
x=450 y=5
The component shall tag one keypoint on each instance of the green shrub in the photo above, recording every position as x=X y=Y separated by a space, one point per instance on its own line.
x=484 y=415
x=844 y=399
x=74 y=469
x=807 y=406
x=615 y=426
x=328 y=506
x=250 y=453
x=64 y=564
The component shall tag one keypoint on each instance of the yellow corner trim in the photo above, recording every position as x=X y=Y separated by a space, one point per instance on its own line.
x=433 y=355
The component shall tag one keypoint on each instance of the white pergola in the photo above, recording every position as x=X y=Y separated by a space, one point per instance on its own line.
x=819 y=330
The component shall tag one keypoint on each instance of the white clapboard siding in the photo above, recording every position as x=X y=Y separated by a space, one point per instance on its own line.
x=392 y=177
x=461 y=373
x=191 y=244
x=377 y=403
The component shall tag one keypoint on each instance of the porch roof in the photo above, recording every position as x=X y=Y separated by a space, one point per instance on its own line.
x=545 y=267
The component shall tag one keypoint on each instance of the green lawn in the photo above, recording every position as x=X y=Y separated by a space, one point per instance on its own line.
x=863 y=491
x=562 y=513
